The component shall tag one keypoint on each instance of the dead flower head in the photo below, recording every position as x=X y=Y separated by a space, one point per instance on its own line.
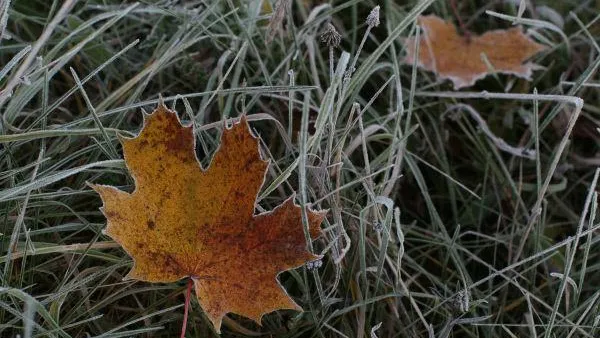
x=330 y=36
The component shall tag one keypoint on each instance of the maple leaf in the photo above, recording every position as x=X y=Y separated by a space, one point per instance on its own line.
x=458 y=58
x=182 y=221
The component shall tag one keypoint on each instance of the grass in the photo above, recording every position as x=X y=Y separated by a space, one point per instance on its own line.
x=438 y=226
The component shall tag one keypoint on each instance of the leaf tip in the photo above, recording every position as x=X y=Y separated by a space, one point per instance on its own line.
x=122 y=138
x=315 y=217
x=216 y=320
x=98 y=188
x=161 y=103
x=244 y=126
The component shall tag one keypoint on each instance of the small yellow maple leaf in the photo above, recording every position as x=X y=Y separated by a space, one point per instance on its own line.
x=460 y=59
x=182 y=221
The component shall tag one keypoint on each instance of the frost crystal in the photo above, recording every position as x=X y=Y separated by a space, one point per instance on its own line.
x=313 y=265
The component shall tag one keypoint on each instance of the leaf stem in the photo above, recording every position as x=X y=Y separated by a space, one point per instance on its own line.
x=187 y=307
x=461 y=24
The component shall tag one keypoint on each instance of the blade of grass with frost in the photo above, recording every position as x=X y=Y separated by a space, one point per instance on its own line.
x=20 y=220
x=386 y=228
x=368 y=65
x=584 y=29
x=16 y=78
x=73 y=89
x=571 y=258
x=532 y=22
x=12 y=193
x=114 y=332
x=363 y=293
x=576 y=101
x=435 y=217
x=397 y=147
x=112 y=150
x=84 y=249
x=586 y=252
x=24 y=94
x=125 y=291
x=302 y=162
x=257 y=89
x=327 y=104
x=63 y=213
x=12 y=63
x=253 y=10
x=184 y=38
x=48 y=133
x=248 y=32
x=4 y=6
x=587 y=310
x=38 y=308
x=581 y=80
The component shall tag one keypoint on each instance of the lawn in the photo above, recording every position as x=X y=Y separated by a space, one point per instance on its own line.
x=450 y=212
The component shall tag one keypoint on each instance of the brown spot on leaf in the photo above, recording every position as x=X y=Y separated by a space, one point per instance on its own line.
x=143 y=143
x=113 y=215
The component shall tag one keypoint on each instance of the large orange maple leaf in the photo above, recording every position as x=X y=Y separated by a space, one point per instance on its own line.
x=182 y=221
x=461 y=59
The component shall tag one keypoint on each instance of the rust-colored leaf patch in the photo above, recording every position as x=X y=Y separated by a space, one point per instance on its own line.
x=462 y=59
x=182 y=221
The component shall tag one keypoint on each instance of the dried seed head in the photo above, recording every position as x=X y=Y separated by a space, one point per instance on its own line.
x=330 y=36
x=373 y=17
x=461 y=301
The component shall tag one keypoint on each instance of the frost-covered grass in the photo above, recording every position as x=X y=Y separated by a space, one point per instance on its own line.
x=439 y=226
